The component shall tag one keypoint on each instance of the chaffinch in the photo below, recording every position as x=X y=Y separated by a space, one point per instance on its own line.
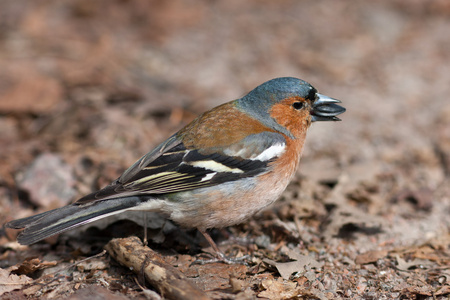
x=225 y=166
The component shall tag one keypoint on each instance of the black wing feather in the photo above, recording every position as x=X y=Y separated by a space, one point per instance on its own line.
x=171 y=167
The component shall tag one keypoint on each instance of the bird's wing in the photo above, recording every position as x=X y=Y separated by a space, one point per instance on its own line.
x=171 y=167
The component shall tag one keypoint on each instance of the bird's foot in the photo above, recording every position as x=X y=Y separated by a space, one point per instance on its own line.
x=221 y=258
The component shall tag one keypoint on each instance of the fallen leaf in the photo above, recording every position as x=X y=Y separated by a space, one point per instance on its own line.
x=419 y=290
x=10 y=282
x=31 y=265
x=278 y=289
x=403 y=265
x=237 y=285
x=299 y=265
x=30 y=291
x=443 y=290
x=92 y=264
x=370 y=257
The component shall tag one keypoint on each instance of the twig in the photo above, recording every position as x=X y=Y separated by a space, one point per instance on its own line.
x=166 y=279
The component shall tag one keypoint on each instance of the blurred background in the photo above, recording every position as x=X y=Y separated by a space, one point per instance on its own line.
x=87 y=87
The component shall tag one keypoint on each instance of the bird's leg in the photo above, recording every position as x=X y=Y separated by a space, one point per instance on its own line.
x=220 y=257
x=219 y=253
x=145 y=241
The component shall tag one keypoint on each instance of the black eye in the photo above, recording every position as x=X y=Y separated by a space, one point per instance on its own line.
x=297 y=105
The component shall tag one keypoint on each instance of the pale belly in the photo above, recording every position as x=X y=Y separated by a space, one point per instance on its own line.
x=228 y=204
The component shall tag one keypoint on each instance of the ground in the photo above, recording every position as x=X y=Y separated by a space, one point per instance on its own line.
x=87 y=87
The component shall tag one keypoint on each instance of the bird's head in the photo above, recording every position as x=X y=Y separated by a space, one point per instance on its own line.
x=289 y=105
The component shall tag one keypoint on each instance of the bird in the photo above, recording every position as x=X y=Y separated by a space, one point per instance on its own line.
x=228 y=164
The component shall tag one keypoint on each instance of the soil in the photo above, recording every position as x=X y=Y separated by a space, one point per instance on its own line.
x=88 y=87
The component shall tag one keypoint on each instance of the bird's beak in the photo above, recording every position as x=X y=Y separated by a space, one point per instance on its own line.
x=326 y=109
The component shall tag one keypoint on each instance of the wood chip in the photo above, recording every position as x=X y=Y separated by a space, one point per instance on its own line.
x=166 y=279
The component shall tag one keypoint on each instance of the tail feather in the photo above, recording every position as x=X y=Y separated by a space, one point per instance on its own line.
x=59 y=220
x=22 y=223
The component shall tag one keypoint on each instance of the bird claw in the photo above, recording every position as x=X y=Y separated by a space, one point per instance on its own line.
x=221 y=258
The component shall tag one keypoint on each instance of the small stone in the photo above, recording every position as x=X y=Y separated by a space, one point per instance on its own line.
x=49 y=181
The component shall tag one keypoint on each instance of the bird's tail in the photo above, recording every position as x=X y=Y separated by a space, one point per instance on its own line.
x=59 y=220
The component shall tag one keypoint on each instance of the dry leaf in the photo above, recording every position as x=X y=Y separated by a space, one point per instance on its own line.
x=370 y=257
x=403 y=265
x=31 y=265
x=10 y=282
x=299 y=265
x=278 y=289
x=92 y=264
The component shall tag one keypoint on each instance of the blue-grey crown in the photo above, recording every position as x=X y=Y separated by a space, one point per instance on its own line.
x=259 y=101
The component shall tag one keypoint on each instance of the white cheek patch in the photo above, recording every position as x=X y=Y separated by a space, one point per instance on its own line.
x=271 y=152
